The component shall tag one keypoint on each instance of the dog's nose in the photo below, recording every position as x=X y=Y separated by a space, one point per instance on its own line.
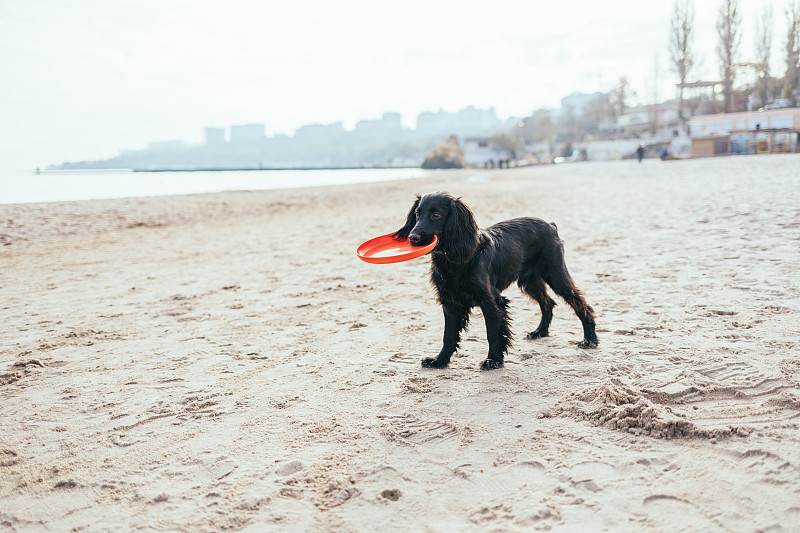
x=414 y=238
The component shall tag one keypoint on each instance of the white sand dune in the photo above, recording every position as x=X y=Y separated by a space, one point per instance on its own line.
x=225 y=362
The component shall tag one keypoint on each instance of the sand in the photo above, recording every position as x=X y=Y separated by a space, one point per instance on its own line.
x=224 y=362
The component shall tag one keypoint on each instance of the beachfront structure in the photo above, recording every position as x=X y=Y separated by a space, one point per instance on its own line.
x=478 y=151
x=658 y=120
x=749 y=132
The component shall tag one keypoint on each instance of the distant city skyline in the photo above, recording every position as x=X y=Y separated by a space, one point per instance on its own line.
x=219 y=134
x=86 y=78
x=372 y=142
x=227 y=133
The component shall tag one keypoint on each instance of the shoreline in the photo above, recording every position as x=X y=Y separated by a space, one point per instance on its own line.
x=224 y=361
x=55 y=187
x=244 y=169
x=209 y=169
x=157 y=187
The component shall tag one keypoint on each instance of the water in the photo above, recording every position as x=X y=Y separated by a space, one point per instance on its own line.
x=90 y=185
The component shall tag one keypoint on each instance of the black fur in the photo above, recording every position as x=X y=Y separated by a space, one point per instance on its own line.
x=471 y=267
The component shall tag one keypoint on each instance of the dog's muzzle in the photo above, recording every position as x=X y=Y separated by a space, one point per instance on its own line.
x=417 y=239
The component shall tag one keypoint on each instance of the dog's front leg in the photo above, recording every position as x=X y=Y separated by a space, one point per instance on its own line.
x=498 y=333
x=455 y=321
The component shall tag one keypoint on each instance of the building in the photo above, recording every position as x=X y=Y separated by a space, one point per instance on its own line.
x=385 y=128
x=468 y=121
x=320 y=132
x=650 y=120
x=750 y=132
x=247 y=133
x=578 y=102
x=479 y=152
x=215 y=136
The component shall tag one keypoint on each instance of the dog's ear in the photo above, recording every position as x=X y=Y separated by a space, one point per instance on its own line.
x=460 y=235
x=411 y=221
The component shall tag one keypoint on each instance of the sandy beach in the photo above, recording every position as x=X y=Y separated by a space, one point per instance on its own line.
x=225 y=362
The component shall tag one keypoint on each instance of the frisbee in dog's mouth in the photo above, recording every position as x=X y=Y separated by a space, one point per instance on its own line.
x=388 y=249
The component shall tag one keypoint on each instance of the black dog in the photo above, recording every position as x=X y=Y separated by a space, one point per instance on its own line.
x=471 y=267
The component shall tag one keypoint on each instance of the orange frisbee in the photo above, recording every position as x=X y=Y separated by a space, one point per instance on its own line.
x=387 y=249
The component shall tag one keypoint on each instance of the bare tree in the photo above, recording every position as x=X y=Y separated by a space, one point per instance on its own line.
x=653 y=108
x=791 y=83
x=728 y=22
x=681 y=36
x=596 y=114
x=505 y=143
x=763 y=52
x=619 y=97
x=539 y=126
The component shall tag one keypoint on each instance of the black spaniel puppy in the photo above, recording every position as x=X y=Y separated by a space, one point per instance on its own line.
x=471 y=267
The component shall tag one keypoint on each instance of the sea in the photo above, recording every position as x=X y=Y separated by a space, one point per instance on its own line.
x=58 y=186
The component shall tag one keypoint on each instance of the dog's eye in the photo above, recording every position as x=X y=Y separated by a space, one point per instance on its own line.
x=435 y=215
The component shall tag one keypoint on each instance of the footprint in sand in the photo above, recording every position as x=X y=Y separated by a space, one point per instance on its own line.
x=8 y=458
x=772 y=468
x=678 y=513
x=518 y=476
x=434 y=438
x=406 y=359
x=418 y=385
x=398 y=362
x=749 y=396
x=289 y=468
x=592 y=475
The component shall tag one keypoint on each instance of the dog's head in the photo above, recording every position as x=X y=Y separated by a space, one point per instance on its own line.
x=446 y=217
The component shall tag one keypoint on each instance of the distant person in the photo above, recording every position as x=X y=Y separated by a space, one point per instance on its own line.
x=640 y=153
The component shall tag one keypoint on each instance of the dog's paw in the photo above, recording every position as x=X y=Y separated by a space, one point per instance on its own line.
x=533 y=335
x=432 y=362
x=491 y=364
x=585 y=344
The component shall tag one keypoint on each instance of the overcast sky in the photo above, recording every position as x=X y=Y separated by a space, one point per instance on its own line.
x=83 y=78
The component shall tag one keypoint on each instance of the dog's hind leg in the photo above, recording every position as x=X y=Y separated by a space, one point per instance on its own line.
x=558 y=278
x=456 y=318
x=533 y=285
